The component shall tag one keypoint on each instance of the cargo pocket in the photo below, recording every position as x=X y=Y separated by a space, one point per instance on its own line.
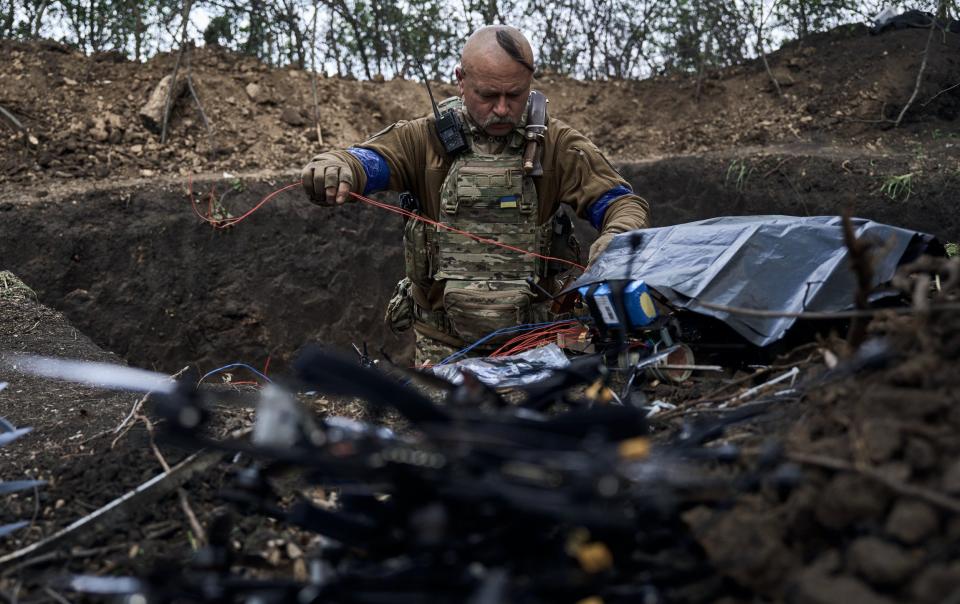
x=416 y=252
x=399 y=316
x=477 y=308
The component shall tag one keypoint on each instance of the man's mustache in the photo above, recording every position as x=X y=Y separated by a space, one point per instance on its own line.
x=492 y=120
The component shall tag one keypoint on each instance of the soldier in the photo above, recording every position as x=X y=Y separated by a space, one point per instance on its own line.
x=458 y=290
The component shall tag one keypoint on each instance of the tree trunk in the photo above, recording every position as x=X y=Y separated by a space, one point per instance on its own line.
x=6 y=23
x=137 y=32
x=802 y=30
x=38 y=19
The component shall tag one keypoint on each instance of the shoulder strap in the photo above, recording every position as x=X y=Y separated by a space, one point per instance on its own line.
x=535 y=129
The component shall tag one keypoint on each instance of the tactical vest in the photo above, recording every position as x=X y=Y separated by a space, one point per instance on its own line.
x=484 y=286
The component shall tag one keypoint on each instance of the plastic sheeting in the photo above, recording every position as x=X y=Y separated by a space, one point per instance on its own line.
x=507 y=372
x=779 y=263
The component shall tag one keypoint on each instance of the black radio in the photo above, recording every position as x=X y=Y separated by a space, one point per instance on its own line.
x=449 y=126
x=450 y=130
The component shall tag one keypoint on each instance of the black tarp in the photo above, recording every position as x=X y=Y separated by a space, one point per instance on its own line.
x=779 y=263
x=888 y=19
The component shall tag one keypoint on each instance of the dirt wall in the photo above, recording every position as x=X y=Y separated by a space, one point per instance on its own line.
x=801 y=183
x=144 y=277
x=138 y=271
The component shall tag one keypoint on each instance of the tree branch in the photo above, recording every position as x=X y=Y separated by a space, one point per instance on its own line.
x=176 y=68
x=313 y=73
x=923 y=67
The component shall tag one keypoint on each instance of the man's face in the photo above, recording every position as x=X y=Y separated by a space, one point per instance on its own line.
x=495 y=90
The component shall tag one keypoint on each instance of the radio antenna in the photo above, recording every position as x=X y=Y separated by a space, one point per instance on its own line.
x=433 y=102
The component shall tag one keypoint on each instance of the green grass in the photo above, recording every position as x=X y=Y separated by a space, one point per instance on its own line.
x=953 y=249
x=898 y=188
x=738 y=173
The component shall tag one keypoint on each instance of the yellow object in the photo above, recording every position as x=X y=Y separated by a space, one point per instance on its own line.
x=646 y=304
x=599 y=392
x=634 y=448
x=591 y=600
x=594 y=557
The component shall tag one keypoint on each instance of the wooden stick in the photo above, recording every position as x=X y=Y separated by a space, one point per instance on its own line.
x=17 y=125
x=55 y=595
x=128 y=502
x=176 y=68
x=948 y=89
x=12 y=119
x=193 y=93
x=923 y=67
x=195 y=525
x=861 y=266
x=313 y=73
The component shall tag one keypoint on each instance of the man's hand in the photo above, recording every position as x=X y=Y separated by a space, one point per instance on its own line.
x=327 y=180
x=599 y=246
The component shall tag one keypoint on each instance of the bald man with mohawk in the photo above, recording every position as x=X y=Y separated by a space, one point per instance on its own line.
x=457 y=290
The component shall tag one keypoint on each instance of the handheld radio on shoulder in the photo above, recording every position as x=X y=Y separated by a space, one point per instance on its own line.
x=449 y=126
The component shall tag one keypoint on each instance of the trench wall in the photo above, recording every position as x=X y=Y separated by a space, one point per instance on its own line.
x=138 y=272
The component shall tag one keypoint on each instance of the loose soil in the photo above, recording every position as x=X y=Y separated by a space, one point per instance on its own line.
x=96 y=218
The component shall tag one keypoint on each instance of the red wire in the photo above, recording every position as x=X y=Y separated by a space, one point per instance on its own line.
x=535 y=338
x=229 y=222
x=536 y=343
x=223 y=224
x=233 y=221
x=446 y=227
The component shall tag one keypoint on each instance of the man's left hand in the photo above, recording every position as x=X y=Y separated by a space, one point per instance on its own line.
x=599 y=246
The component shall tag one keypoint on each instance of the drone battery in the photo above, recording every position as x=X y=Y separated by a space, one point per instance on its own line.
x=637 y=302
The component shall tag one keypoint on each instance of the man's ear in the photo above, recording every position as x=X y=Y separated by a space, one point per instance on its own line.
x=458 y=73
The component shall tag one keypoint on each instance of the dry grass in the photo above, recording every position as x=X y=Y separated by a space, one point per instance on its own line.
x=12 y=288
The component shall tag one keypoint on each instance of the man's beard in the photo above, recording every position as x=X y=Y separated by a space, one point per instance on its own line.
x=494 y=120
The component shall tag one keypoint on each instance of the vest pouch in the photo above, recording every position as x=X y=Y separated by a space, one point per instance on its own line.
x=416 y=252
x=476 y=308
x=400 y=316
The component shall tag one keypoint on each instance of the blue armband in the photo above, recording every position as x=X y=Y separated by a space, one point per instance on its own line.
x=378 y=172
x=599 y=208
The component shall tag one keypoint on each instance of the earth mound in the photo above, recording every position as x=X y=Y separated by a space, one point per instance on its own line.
x=841 y=87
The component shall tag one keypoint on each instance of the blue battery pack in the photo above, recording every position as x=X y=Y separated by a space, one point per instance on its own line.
x=637 y=301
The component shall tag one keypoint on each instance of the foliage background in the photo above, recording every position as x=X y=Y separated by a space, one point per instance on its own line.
x=591 y=39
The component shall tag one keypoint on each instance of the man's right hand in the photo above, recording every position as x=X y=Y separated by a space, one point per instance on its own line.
x=327 y=180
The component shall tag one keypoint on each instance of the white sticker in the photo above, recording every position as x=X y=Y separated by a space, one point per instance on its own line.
x=606 y=310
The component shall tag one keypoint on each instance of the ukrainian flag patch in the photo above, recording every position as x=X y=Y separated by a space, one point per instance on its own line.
x=509 y=201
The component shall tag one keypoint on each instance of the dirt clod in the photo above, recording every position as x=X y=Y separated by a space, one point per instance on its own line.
x=881 y=562
x=881 y=439
x=911 y=521
x=817 y=587
x=849 y=499
x=951 y=478
x=937 y=583
x=744 y=544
